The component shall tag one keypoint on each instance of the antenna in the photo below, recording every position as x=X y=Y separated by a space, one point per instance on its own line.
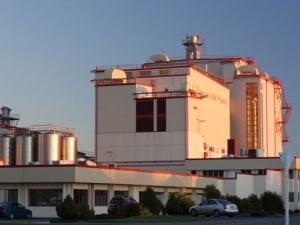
x=197 y=34
x=165 y=51
x=187 y=35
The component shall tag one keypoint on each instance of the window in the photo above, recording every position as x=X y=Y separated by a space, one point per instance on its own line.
x=246 y=171
x=9 y=195
x=252 y=115
x=45 y=197
x=161 y=114
x=291 y=174
x=213 y=173
x=120 y=193
x=80 y=196
x=291 y=197
x=101 y=197
x=193 y=172
x=205 y=202
x=144 y=116
x=261 y=172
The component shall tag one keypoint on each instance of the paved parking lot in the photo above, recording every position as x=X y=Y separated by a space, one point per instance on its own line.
x=239 y=220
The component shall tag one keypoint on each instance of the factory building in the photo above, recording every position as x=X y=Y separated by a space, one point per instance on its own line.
x=166 y=111
x=173 y=124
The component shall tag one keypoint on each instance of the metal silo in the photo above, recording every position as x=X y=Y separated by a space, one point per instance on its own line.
x=69 y=148
x=48 y=148
x=7 y=150
x=25 y=149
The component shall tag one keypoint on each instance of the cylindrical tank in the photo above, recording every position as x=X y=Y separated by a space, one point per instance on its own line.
x=48 y=148
x=25 y=149
x=69 y=148
x=7 y=151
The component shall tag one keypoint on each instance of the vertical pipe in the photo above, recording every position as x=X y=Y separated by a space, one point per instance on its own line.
x=186 y=126
x=287 y=190
x=96 y=121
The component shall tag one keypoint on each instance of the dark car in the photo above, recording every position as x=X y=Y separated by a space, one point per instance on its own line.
x=13 y=210
x=216 y=207
x=119 y=201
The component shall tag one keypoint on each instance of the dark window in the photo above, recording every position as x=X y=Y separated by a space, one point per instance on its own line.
x=221 y=173
x=45 y=197
x=291 y=174
x=212 y=202
x=246 y=171
x=291 y=197
x=261 y=172
x=120 y=193
x=101 y=197
x=205 y=202
x=161 y=115
x=80 y=196
x=144 y=116
x=216 y=173
x=161 y=106
x=9 y=195
x=193 y=172
x=144 y=107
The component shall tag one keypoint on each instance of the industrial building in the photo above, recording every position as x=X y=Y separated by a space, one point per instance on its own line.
x=172 y=124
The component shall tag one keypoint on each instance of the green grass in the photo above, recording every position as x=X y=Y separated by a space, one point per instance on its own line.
x=134 y=219
x=153 y=219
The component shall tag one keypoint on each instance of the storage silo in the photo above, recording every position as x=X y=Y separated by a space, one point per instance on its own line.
x=49 y=148
x=25 y=149
x=69 y=148
x=7 y=150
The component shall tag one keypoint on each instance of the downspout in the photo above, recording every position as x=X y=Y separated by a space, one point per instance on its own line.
x=275 y=127
x=186 y=127
x=267 y=121
x=96 y=120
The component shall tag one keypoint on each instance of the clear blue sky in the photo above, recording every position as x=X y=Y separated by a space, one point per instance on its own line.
x=48 y=48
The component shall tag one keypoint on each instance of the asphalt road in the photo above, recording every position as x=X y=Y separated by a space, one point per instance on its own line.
x=277 y=220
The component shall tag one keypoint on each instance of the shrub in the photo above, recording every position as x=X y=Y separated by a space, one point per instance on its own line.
x=127 y=210
x=150 y=201
x=297 y=211
x=173 y=206
x=246 y=206
x=68 y=209
x=210 y=191
x=84 y=212
x=272 y=202
x=185 y=202
x=145 y=211
x=255 y=201
x=234 y=199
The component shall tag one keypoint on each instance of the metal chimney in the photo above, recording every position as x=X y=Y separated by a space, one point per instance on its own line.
x=192 y=44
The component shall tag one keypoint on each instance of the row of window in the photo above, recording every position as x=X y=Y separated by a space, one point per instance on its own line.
x=52 y=197
x=220 y=173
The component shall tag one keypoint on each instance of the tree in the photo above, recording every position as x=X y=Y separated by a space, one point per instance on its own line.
x=85 y=213
x=210 y=191
x=68 y=209
x=272 y=202
x=256 y=201
x=185 y=202
x=150 y=201
x=173 y=205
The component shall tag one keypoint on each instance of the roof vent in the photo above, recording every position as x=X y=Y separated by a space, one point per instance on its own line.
x=159 y=58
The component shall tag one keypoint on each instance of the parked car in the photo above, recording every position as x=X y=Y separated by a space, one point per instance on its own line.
x=216 y=207
x=12 y=210
x=119 y=201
